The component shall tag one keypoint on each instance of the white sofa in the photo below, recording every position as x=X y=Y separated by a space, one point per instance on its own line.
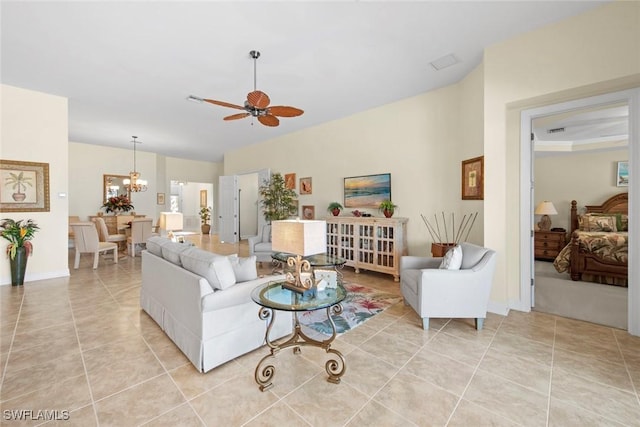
x=204 y=306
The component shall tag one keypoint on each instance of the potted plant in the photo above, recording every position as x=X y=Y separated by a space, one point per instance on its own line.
x=276 y=199
x=117 y=204
x=335 y=208
x=205 y=216
x=387 y=208
x=18 y=233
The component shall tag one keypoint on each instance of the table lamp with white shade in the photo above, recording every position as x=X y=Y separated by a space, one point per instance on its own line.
x=300 y=238
x=170 y=222
x=545 y=209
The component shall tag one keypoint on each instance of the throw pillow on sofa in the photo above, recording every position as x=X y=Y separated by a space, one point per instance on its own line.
x=244 y=268
x=215 y=268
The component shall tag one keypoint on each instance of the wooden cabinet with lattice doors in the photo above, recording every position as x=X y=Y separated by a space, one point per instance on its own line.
x=374 y=244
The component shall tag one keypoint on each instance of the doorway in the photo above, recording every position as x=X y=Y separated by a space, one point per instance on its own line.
x=527 y=221
x=565 y=145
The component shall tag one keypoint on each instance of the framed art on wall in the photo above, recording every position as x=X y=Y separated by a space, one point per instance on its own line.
x=622 y=176
x=367 y=191
x=203 y=198
x=160 y=198
x=24 y=186
x=308 y=212
x=290 y=181
x=473 y=179
x=305 y=185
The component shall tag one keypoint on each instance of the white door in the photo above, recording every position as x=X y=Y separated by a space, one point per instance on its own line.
x=228 y=209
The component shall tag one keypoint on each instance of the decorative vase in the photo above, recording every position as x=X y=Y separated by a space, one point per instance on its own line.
x=18 y=266
x=388 y=213
x=205 y=228
x=335 y=212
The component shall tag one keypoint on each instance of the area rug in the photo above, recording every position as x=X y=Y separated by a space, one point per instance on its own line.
x=361 y=304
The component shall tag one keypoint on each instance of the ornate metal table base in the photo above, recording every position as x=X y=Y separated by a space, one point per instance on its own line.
x=335 y=367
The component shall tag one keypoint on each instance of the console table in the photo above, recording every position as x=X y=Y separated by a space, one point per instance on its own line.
x=273 y=297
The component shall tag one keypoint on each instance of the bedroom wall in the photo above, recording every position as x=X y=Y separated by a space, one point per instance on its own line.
x=589 y=178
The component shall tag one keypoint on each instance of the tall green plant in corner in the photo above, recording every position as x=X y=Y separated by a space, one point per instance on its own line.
x=277 y=200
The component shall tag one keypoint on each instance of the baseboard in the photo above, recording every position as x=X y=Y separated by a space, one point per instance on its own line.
x=498 y=308
x=39 y=276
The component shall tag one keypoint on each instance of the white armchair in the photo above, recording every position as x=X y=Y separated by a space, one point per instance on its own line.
x=260 y=245
x=463 y=293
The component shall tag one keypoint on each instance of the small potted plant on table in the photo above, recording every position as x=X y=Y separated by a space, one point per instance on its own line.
x=387 y=208
x=18 y=233
x=335 y=208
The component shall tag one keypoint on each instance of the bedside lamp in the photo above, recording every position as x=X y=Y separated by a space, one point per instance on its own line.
x=300 y=238
x=545 y=209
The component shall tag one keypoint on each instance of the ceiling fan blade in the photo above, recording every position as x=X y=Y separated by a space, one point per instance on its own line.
x=224 y=104
x=258 y=99
x=236 y=116
x=285 y=111
x=269 y=120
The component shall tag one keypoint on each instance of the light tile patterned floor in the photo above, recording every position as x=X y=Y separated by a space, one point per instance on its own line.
x=82 y=344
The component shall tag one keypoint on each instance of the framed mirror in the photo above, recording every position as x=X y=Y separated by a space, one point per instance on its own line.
x=113 y=185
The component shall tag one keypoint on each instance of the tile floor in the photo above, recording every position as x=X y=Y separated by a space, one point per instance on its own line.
x=81 y=346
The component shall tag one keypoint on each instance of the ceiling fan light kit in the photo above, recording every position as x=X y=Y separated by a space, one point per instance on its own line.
x=256 y=104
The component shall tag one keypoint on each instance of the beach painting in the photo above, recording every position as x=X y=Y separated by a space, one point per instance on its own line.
x=367 y=191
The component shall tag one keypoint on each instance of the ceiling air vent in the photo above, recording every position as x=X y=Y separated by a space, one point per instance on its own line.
x=444 y=62
x=556 y=130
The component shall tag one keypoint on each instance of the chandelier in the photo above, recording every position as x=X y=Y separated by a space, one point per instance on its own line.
x=134 y=183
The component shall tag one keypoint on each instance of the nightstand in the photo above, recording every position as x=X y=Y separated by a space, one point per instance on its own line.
x=548 y=244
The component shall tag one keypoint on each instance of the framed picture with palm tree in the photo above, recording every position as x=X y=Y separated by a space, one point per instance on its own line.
x=24 y=186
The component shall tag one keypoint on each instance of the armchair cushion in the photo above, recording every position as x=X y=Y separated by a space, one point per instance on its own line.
x=452 y=259
x=266 y=234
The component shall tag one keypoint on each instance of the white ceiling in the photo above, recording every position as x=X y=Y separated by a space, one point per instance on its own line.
x=128 y=67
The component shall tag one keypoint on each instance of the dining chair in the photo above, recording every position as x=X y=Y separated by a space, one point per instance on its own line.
x=140 y=232
x=86 y=241
x=103 y=233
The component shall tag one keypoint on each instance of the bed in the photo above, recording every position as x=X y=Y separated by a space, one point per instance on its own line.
x=598 y=250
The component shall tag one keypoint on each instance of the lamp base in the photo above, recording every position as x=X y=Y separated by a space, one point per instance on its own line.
x=306 y=292
x=545 y=223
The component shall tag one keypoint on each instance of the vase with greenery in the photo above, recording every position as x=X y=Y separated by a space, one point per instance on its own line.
x=387 y=208
x=19 y=234
x=335 y=208
x=276 y=199
x=118 y=204
x=205 y=216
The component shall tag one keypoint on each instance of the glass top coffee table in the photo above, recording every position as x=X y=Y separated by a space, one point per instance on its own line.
x=273 y=297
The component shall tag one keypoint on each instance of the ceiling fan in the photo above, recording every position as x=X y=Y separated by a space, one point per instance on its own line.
x=257 y=104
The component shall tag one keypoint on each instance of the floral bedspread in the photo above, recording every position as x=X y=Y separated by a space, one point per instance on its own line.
x=608 y=246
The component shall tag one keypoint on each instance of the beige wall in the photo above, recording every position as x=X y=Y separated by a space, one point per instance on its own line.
x=588 y=178
x=34 y=129
x=92 y=161
x=569 y=58
x=420 y=141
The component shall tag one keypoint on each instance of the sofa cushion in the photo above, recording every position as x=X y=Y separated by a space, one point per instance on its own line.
x=452 y=259
x=215 y=268
x=155 y=243
x=171 y=251
x=244 y=268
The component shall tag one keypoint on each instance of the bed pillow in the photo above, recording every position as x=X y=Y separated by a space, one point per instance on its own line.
x=452 y=259
x=601 y=222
